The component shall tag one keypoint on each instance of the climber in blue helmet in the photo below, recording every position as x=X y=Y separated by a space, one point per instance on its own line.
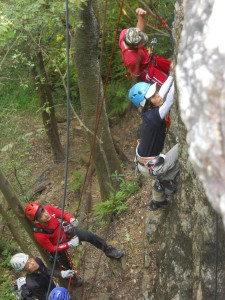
x=59 y=293
x=150 y=161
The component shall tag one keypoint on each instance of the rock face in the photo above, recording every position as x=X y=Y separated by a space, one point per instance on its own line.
x=189 y=235
x=200 y=69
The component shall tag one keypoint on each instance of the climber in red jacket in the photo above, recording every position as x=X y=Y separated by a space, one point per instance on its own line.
x=47 y=228
x=137 y=58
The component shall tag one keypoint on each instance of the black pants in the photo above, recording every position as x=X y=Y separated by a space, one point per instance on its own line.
x=63 y=263
x=88 y=236
x=84 y=236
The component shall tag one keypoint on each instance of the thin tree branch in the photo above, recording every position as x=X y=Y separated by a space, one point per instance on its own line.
x=20 y=185
x=159 y=32
x=65 y=87
x=6 y=54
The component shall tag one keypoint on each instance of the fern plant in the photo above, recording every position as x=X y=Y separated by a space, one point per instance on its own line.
x=116 y=204
x=76 y=181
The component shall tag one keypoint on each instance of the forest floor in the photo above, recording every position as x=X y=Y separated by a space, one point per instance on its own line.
x=104 y=279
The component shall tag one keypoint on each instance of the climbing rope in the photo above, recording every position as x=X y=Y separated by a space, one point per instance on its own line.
x=98 y=114
x=101 y=106
x=67 y=140
x=98 y=117
x=164 y=24
x=73 y=280
x=157 y=16
x=216 y=254
x=67 y=134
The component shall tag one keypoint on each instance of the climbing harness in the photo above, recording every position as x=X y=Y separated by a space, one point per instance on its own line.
x=43 y=230
x=152 y=56
x=154 y=42
x=66 y=226
x=147 y=162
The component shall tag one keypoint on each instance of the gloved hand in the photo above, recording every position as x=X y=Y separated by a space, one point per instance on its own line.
x=67 y=273
x=160 y=160
x=74 y=242
x=74 y=222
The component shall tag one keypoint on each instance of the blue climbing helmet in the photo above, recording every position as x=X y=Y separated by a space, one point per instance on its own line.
x=140 y=92
x=59 y=293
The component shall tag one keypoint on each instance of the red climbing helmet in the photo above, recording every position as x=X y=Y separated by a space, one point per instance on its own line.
x=31 y=210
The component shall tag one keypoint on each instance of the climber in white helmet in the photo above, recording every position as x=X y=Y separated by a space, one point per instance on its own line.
x=37 y=274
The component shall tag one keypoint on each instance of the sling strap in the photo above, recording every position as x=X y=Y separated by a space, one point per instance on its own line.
x=43 y=230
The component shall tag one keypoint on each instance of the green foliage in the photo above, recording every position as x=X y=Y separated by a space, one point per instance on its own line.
x=116 y=204
x=76 y=181
x=25 y=24
x=18 y=96
x=16 y=147
x=117 y=176
x=6 y=254
x=6 y=31
x=5 y=280
x=8 y=125
x=6 y=289
x=117 y=97
x=35 y=23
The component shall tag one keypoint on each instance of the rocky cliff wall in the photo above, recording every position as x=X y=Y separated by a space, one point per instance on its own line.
x=189 y=236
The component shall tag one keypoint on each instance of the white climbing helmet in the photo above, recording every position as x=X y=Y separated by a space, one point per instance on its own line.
x=18 y=261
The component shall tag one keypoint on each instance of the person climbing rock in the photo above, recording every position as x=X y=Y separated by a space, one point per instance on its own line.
x=142 y=64
x=163 y=168
x=59 y=293
x=37 y=274
x=47 y=227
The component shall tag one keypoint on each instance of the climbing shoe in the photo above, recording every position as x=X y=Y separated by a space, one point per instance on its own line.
x=157 y=204
x=78 y=281
x=113 y=252
x=158 y=186
x=169 y=186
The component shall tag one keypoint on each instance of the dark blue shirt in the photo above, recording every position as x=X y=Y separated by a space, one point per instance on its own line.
x=153 y=133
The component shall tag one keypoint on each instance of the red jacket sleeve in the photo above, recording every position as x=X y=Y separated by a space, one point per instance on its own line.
x=44 y=241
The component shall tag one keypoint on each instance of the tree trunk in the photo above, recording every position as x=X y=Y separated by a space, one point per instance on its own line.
x=91 y=94
x=47 y=108
x=189 y=235
x=18 y=210
x=14 y=231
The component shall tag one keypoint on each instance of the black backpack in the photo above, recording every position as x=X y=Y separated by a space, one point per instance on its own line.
x=26 y=294
x=21 y=290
